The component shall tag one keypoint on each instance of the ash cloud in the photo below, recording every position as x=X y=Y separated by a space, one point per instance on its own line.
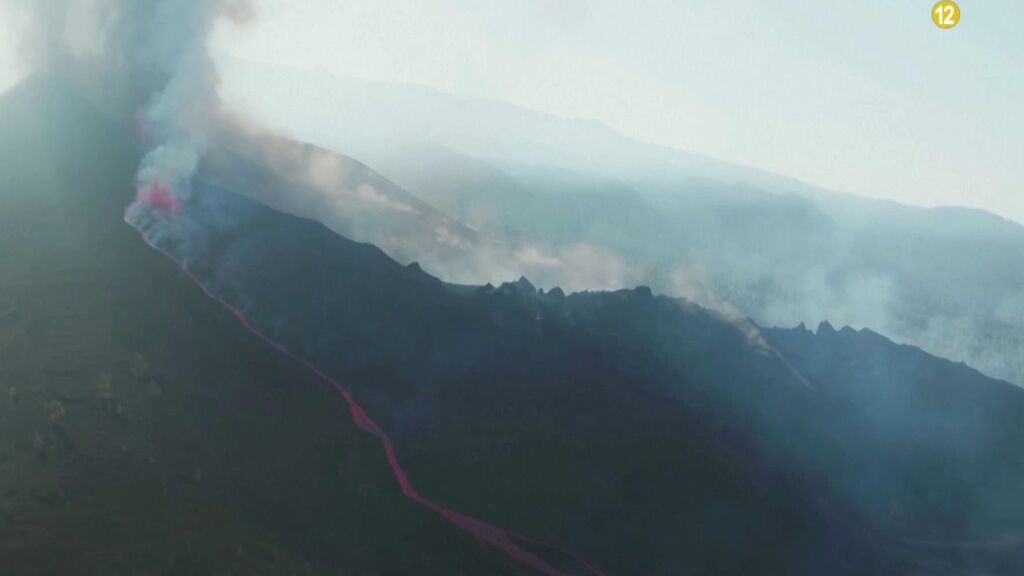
x=125 y=52
x=145 y=63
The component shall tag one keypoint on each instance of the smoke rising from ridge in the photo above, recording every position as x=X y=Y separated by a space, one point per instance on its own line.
x=143 y=62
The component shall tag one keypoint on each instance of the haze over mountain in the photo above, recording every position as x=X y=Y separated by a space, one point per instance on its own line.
x=579 y=206
x=644 y=433
x=204 y=374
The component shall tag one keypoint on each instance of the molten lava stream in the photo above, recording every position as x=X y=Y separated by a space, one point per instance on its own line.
x=484 y=533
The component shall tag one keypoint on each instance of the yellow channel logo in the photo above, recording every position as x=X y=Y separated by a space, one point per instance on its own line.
x=946 y=14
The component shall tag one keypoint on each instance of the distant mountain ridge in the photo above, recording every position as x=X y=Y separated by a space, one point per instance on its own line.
x=580 y=206
x=503 y=134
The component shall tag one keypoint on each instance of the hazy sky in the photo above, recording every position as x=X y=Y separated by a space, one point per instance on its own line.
x=10 y=70
x=865 y=96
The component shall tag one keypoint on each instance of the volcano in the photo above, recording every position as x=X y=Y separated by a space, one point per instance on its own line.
x=141 y=429
x=237 y=389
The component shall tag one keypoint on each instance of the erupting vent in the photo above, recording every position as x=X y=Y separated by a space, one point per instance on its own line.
x=159 y=197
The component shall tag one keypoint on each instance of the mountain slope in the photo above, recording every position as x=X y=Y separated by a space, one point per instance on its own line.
x=646 y=433
x=348 y=196
x=142 y=430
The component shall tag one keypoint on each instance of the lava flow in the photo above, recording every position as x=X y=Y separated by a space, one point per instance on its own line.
x=486 y=534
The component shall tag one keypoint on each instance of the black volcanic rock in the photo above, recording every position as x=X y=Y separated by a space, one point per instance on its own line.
x=950 y=431
x=555 y=295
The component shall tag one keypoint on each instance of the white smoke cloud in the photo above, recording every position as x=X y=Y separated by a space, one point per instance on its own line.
x=138 y=60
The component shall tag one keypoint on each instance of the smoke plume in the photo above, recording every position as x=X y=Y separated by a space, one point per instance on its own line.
x=144 y=62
